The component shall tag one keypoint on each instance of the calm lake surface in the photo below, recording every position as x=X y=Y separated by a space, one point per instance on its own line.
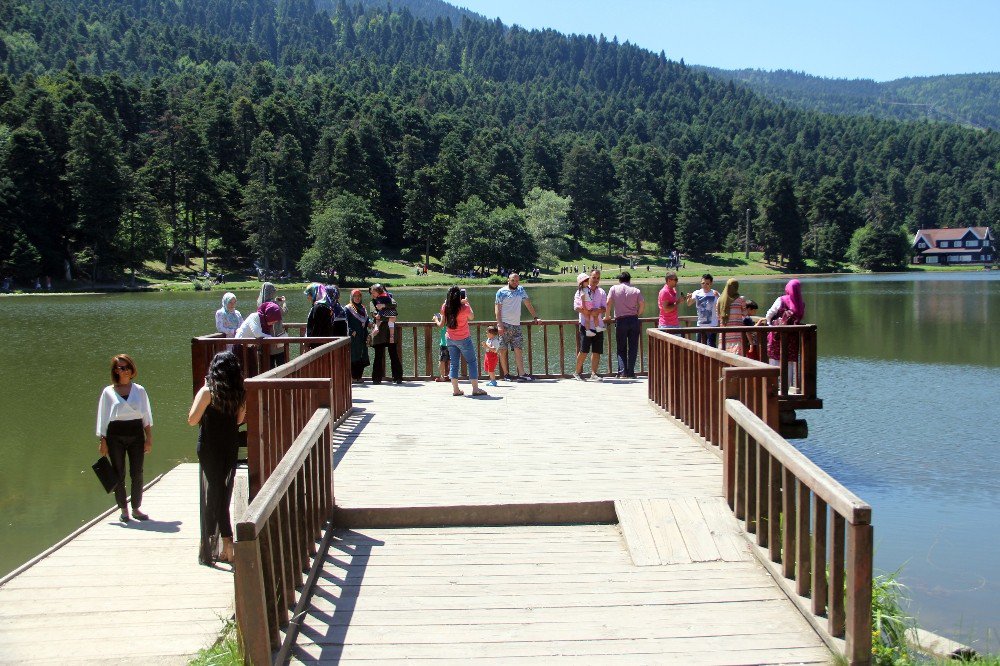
x=909 y=372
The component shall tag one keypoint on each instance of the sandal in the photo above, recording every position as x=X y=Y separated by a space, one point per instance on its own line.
x=459 y=393
x=479 y=392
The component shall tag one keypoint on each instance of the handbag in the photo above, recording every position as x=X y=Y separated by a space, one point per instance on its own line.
x=105 y=474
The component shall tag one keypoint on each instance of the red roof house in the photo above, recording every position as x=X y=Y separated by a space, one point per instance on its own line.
x=968 y=245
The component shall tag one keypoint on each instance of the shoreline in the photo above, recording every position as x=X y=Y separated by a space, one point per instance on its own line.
x=639 y=277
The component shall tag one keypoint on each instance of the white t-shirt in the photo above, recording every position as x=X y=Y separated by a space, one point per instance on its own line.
x=492 y=344
x=113 y=407
x=704 y=303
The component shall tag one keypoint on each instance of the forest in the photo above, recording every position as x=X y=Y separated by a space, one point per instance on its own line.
x=966 y=99
x=314 y=138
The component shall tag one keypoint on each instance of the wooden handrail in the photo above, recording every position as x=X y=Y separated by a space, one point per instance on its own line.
x=788 y=503
x=277 y=535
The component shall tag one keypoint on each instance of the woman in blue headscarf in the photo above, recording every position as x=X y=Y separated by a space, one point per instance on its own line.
x=228 y=318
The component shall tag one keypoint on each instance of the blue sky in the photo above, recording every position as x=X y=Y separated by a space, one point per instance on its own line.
x=874 y=39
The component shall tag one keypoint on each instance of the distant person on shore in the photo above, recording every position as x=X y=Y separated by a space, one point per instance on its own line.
x=592 y=346
x=125 y=428
x=271 y=320
x=704 y=300
x=667 y=301
x=227 y=318
x=507 y=310
x=787 y=310
x=357 y=325
x=218 y=408
x=732 y=312
x=319 y=322
x=457 y=314
x=628 y=304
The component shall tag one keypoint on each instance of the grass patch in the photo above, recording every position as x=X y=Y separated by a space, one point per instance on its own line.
x=225 y=652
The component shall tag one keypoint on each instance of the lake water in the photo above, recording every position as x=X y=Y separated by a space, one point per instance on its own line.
x=909 y=372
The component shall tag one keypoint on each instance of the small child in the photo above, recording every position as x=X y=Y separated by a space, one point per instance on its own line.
x=385 y=309
x=753 y=349
x=444 y=358
x=592 y=322
x=492 y=344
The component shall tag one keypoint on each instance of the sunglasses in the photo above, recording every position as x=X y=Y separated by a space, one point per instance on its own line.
x=123 y=368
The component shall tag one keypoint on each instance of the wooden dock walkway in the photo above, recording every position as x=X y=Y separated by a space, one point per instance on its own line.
x=118 y=593
x=655 y=570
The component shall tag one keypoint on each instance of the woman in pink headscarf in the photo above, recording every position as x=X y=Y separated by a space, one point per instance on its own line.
x=787 y=310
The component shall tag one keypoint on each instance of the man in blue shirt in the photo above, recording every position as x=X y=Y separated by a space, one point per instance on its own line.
x=508 y=313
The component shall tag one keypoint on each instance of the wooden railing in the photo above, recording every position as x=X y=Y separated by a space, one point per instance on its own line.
x=254 y=353
x=281 y=401
x=801 y=517
x=685 y=380
x=278 y=535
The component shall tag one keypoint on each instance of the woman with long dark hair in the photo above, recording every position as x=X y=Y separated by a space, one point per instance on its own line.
x=358 y=324
x=457 y=314
x=219 y=407
x=125 y=428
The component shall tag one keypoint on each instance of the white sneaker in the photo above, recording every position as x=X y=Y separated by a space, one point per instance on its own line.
x=580 y=378
x=590 y=333
x=594 y=376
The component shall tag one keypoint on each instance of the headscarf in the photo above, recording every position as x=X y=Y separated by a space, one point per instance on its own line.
x=793 y=299
x=318 y=294
x=333 y=295
x=232 y=319
x=267 y=293
x=270 y=317
x=729 y=294
x=357 y=310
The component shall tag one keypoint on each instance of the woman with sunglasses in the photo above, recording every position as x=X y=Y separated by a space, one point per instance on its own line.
x=125 y=428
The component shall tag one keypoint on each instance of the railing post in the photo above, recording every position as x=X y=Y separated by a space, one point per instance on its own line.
x=731 y=389
x=859 y=594
x=250 y=603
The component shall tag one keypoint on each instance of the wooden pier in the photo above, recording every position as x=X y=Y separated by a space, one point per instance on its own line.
x=653 y=520
x=120 y=593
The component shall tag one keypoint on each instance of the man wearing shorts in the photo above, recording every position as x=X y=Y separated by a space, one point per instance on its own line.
x=508 y=313
x=593 y=345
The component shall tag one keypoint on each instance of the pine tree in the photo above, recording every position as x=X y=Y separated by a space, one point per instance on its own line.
x=697 y=218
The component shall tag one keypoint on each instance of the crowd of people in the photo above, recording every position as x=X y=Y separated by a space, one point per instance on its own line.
x=125 y=420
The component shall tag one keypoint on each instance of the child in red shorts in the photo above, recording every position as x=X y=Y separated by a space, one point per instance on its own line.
x=490 y=360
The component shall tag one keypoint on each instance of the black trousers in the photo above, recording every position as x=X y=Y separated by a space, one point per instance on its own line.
x=378 y=365
x=627 y=344
x=339 y=328
x=127 y=438
x=217 y=479
x=358 y=369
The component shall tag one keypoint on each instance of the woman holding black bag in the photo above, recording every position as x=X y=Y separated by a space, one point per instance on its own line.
x=125 y=428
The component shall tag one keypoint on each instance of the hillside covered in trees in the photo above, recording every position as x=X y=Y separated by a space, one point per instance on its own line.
x=310 y=138
x=965 y=99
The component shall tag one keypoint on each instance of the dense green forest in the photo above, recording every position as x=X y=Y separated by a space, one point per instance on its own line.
x=966 y=99
x=255 y=129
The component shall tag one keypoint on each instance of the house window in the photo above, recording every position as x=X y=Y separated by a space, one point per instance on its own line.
x=972 y=243
x=921 y=245
x=962 y=258
x=932 y=260
x=943 y=244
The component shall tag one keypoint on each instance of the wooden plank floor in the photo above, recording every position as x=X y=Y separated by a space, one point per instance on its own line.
x=673 y=582
x=121 y=593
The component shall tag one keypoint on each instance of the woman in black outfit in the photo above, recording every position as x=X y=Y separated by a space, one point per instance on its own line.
x=380 y=343
x=219 y=407
x=319 y=323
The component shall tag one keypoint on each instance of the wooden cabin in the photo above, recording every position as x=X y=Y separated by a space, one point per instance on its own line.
x=956 y=246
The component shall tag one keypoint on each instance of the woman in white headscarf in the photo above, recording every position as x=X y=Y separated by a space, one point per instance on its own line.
x=228 y=318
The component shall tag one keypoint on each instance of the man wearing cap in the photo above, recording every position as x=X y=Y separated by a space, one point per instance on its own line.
x=508 y=313
x=629 y=305
x=593 y=345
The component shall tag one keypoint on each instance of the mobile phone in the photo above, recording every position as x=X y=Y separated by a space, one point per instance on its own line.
x=462 y=292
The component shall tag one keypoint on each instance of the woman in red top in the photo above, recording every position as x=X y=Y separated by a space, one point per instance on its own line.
x=457 y=315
